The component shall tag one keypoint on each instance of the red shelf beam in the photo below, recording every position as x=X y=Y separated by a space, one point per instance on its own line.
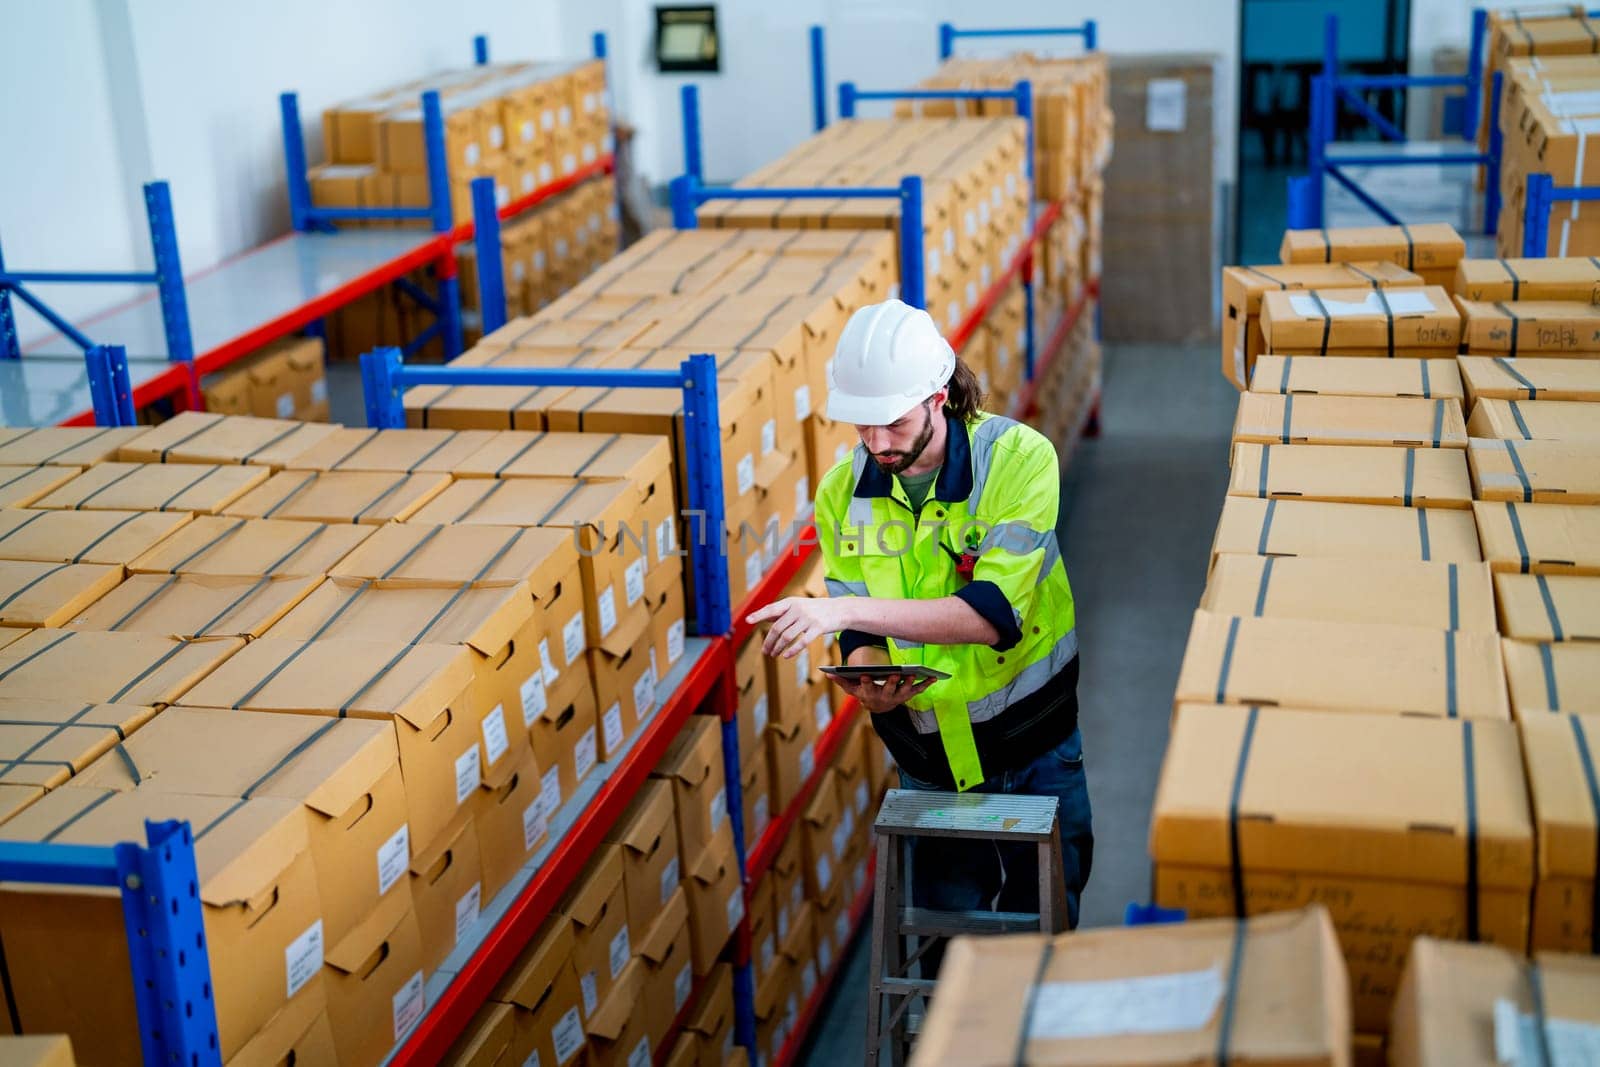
x=449 y=1016
x=758 y=860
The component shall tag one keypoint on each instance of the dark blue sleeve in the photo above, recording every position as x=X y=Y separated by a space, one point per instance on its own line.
x=850 y=640
x=987 y=600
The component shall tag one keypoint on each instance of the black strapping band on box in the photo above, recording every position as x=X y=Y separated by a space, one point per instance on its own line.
x=185 y=439
x=1283 y=383
x=25 y=523
x=1288 y=418
x=81 y=812
x=1516 y=532
x=144 y=602
x=35 y=654
x=92 y=545
x=1427 y=388
x=1422 y=532
x=1261 y=273
x=1552 y=688
x=1470 y=778
x=1550 y=607
x=21 y=757
x=371 y=436
x=177 y=646
x=1452 y=709
x=412 y=551
x=1266 y=463
x=27 y=472
x=30 y=583
x=58 y=453
x=1522 y=474
x=1227 y=659
x=1592 y=782
x=238 y=524
x=310 y=476
x=399 y=483
x=1533 y=391
x=602 y=450
x=1266 y=528
x=1261 y=590
x=1411 y=247
x=1522 y=425
x=1516 y=282
x=1455 y=599
x=167 y=503
x=519 y=453
x=1327 y=321
x=1438 y=423
x=1388 y=315
x=1411 y=472
x=1372 y=279
x=269 y=442
x=1515 y=325
x=1541 y=1023
x=1327 y=245
x=1048 y=950
x=429 y=454
x=130 y=472
x=248 y=792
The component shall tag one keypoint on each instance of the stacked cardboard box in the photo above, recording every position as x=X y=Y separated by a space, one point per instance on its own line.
x=975 y=189
x=1546 y=109
x=51 y=1050
x=285 y=380
x=1067 y=397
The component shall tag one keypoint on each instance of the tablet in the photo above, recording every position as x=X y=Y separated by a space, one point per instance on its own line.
x=882 y=673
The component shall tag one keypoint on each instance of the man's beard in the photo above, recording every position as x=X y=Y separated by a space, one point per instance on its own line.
x=906 y=459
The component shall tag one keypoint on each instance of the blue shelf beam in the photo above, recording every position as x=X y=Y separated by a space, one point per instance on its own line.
x=1021 y=94
x=385 y=377
x=949 y=34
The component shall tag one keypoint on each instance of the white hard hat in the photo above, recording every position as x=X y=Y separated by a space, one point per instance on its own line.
x=890 y=358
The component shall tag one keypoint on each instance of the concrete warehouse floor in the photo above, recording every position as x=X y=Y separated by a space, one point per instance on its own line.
x=1138 y=509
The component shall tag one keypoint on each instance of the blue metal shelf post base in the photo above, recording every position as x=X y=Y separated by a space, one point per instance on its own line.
x=165 y=926
x=491 y=265
x=110 y=388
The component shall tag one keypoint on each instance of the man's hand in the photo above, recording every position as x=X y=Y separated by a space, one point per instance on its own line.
x=799 y=620
x=887 y=696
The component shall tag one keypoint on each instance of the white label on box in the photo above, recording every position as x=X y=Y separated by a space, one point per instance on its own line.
x=620 y=952
x=319 y=391
x=719 y=809
x=971 y=219
x=735 y=906
x=802 y=402
x=995 y=195
x=762 y=815
x=569 y=163
x=561 y=248
x=589 y=154
x=859 y=879
x=1570 y=1043
x=534 y=823
x=591 y=992
x=567 y=1034
x=594 y=222
x=986 y=272
x=644 y=693
x=1151 y=1004
x=585 y=756
x=566 y=115
x=761 y=713
x=934 y=261
x=550 y=792
x=682 y=986
x=519 y=269
x=670 y=877
x=983 y=208
x=823 y=711
x=664 y=540
x=394 y=857
x=783 y=918
x=407 y=1006
x=534 y=698
x=954 y=315
x=791 y=1015
x=808 y=760
x=861 y=798
x=613 y=726
x=653 y=664
x=285 y=405
x=841 y=929
x=1011 y=184
x=608 y=609
x=802 y=495
x=1165 y=103
x=727 y=1045
x=848 y=818
x=1238 y=360
x=753 y=566
x=640 y=1056
x=802 y=667
x=675 y=640
x=825 y=954
x=497 y=136
x=471 y=153
x=746 y=473
x=841 y=838
x=530 y=130
x=495 y=741
x=767 y=952
x=469 y=768
x=949 y=241
x=589 y=103
x=302 y=959
x=532 y=1060
x=769 y=436
x=547 y=174
x=824 y=873
x=1401 y=302
x=633 y=581
x=972 y=292
x=572 y=639
x=808 y=979
x=467 y=910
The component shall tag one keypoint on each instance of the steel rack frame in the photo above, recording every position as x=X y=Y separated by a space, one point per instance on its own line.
x=1330 y=90
x=166 y=932
x=1541 y=198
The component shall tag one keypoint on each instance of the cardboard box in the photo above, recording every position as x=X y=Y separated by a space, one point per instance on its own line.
x=1530 y=327
x=790 y=681
x=710 y=1023
x=1341 y=420
x=1530 y=378
x=1374 y=322
x=546 y=560
x=1543 y=472
x=788 y=883
x=492 y=1037
x=64 y=446
x=763 y=929
x=1576 y=278
x=391 y=451
x=1349 y=531
x=1527 y=420
x=1431 y=250
x=114 y=486
x=1352 y=474
x=66 y=947
x=619 y=1033
x=1243 y=287
x=424 y=690
x=716 y=897
x=1356 y=376
x=512 y=823
x=1540 y=607
x=693 y=765
x=625 y=693
x=1440 y=596
x=195 y=605
x=1371 y=815
x=777 y=1007
x=665 y=951
x=1346 y=666
x=791 y=754
x=287 y=380
x=566 y=744
x=51 y=1050
x=828 y=444
x=755 y=706
x=1539 y=538
x=1557 y=749
x=344 y=772
x=648 y=838
x=38 y=750
x=756 y=791
x=496 y=623
x=375 y=982
x=108 y=537
x=543 y=983
x=1290 y=1005
x=852 y=778
x=249 y=548
x=818 y=824
x=799 y=951
x=198 y=437
x=447 y=892
x=597 y=907
x=296 y=1034
x=1543 y=678
x=51 y=594
x=21 y=486
x=369 y=497
x=133 y=668
x=1455 y=1001
x=669 y=630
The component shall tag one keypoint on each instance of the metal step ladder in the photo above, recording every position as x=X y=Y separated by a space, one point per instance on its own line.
x=905 y=814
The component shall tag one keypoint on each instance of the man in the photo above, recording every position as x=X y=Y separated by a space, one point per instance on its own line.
x=939 y=545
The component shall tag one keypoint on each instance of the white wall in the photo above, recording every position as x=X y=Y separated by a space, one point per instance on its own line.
x=103 y=95
x=760 y=104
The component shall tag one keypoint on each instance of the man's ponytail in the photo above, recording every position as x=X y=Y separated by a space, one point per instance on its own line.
x=966 y=395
